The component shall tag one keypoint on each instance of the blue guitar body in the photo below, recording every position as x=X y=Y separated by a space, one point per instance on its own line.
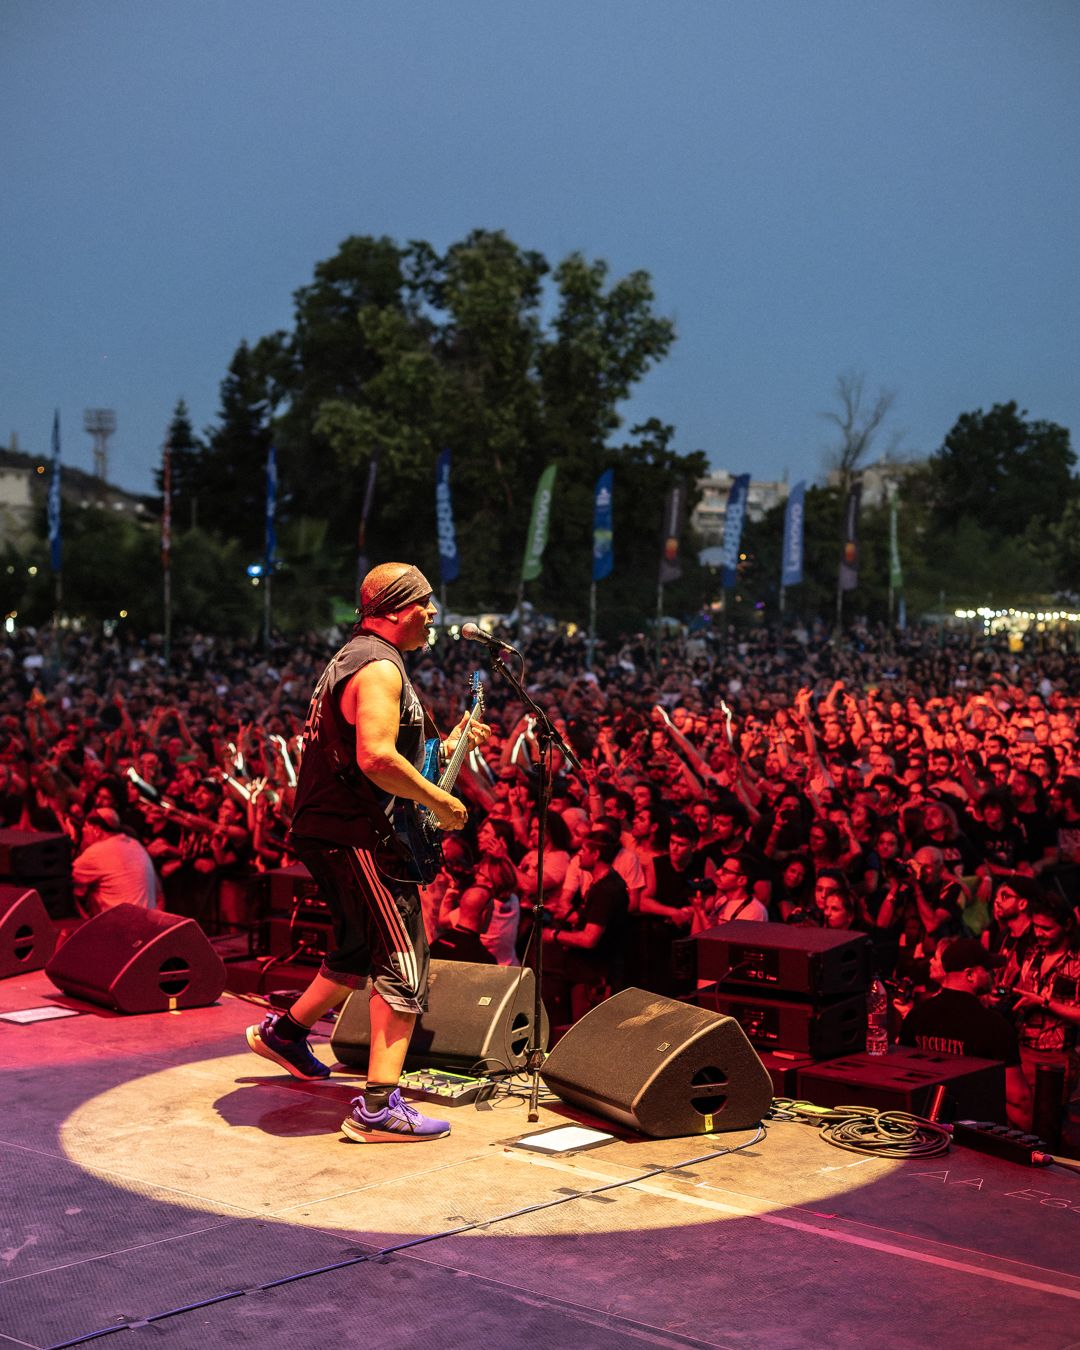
x=414 y=850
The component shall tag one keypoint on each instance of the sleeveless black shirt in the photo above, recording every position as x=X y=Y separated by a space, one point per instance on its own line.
x=335 y=801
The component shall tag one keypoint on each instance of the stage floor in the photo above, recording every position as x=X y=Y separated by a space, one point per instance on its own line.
x=148 y=1164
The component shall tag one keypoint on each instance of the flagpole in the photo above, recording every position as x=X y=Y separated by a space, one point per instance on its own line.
x=55 y=540
x=266 y=610
x=270 y=548
x=166 y=600
x=166 y=547
x=365 y=511
x=659 y=617
x=592 y=626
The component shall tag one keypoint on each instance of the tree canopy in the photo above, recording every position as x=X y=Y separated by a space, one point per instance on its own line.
x=485 y=350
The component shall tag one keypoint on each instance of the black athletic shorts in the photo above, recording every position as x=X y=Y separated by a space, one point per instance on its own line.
x=378 y=926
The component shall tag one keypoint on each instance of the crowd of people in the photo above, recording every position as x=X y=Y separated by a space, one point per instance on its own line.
x=920 y=787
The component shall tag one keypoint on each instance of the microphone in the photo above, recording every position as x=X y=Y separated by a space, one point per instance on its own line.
x=472 y=632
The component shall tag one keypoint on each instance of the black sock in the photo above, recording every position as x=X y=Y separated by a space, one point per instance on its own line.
x=377 y=1096
x=289 y=1029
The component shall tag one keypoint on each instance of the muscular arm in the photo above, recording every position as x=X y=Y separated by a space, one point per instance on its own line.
x=371 y=701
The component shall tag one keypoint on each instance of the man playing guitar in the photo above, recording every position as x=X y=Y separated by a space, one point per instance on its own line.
x=364 y=747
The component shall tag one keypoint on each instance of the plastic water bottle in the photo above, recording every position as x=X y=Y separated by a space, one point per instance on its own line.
x=877 y=1019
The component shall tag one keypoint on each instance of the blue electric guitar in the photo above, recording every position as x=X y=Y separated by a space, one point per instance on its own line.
x=413 y=851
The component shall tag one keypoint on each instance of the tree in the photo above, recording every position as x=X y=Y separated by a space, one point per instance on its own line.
x=186 y=467
x=232 y=489
x=404 y=352
x=1063 y=539
x=1001 y=471
x=857 y=422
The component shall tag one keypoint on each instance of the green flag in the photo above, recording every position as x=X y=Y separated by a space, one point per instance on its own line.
x=536 y=540
x=896 y=572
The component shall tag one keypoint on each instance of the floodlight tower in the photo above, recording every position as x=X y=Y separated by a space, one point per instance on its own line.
x=100 y=423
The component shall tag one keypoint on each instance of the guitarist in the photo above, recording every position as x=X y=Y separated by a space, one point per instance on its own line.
x=363 y=748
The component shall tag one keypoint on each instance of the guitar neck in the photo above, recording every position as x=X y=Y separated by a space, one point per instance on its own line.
x=448 y=777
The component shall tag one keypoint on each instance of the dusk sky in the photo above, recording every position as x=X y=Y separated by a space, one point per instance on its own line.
x=815 y=187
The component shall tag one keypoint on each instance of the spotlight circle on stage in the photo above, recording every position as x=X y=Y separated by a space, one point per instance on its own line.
x=271 y=1147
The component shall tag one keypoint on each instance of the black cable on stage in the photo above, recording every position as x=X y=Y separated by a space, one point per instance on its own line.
x=864 y=1129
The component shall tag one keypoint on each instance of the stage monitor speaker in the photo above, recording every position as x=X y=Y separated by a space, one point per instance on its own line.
x=139 y=960
x=793 y=960
x=26 y=853
x=664 y=1068
x=27 y=937
x=478 y=1015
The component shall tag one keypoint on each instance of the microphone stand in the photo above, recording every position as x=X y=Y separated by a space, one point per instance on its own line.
x=548 y=739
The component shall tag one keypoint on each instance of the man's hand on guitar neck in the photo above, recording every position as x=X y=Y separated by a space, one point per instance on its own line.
x=478 y=733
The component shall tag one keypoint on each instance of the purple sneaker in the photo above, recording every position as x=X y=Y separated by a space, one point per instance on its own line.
x=397 y=1122
x=295 y=1056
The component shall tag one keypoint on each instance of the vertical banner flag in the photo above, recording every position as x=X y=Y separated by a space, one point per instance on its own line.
x=674 y=519
x=449 y=564
x=271 y=508
x=166 y=503
x=733 y=525
x=537 y=538
x=55 y=551
x=896 y=572
x=791 y=564
x=361 y=533
x=603 y=556
x=849 y=557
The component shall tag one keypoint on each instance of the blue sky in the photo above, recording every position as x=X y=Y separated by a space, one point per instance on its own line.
x=814 y=187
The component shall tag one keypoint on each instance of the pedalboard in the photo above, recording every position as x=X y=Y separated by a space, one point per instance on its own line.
x=448 y=1089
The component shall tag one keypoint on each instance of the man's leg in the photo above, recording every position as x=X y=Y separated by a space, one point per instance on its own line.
x=390 y=1034
x=318 y=998
x=399 y=991
x=282 y=1037
x=381 y=1114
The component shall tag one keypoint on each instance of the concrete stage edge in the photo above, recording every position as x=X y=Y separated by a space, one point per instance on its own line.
x=152 y=1163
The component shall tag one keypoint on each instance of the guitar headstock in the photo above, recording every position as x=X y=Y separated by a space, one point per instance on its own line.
x=476 y=693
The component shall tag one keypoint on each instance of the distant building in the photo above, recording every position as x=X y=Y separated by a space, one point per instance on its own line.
x=24 y=484
x=708 y=516
x=878 y=477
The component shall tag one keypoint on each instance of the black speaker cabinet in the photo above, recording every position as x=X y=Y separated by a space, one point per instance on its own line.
x=286 y=884
x=26 y=853
x=905 y=1079
x=478 y=1015
x=139 y=960
x=791 y=960
x=822 y=1030
x=661 y=1067
x=27 y=938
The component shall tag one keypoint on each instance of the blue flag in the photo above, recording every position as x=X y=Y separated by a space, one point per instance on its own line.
x=271 y=507
x=733 y=523
x=449 y=563
x=55 y=551
x=791 y=564
x=603 y=554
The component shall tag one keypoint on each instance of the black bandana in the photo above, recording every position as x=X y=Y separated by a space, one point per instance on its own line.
x=403 y=591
